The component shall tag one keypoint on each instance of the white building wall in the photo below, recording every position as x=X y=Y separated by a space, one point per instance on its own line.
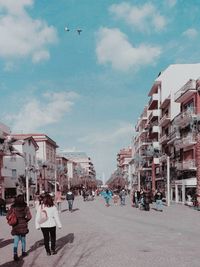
x=19 y=164
x=41 y=152
x=173 y=78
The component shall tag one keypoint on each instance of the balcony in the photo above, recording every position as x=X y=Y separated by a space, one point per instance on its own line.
x=163 y=158
x=145 y=143
x=142 y=132
x=186 y=91
x=155 y=129
x=184 y=118
x=189 y=140
x=186 y=165
x=154 y=113
x=173 y=136
x=156 y=145
x=153 y=102
x=156 y=161
x=164 y=120
x=164 y=139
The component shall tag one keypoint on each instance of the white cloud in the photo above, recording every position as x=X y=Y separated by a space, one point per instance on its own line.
x=171 y=3
x=21 y=35
x=39 y=113
x=190 y=33
x=143 y=18
x=9 y=66
x=113 y=47
x=123 y=131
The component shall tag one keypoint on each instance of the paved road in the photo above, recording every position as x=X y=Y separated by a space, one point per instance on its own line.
x=97 y=236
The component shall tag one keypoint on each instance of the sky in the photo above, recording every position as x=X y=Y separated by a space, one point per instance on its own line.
x=87 y=91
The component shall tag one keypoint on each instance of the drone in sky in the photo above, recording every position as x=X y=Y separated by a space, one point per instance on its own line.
x=77 y=30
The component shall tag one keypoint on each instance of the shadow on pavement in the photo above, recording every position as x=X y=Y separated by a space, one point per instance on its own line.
x=5 y=242
x=13 y=263
x=61 y=242
x=36 y=245
x=64 y=210
x=73 y=210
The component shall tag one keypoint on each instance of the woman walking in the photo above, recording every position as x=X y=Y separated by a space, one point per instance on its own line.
x=20 y=229
x=58 y=199
x=46 y=219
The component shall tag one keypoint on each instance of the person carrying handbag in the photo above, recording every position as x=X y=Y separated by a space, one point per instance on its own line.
x=48 y=225
x=20 y=229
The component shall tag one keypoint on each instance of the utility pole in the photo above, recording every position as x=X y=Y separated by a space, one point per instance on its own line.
x=27 y=186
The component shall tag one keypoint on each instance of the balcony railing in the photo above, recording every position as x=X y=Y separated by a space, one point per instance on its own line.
x=185 y=141
x=154 y=113
x=155 y=97
x=164 y=120
x=185 y=117
x=164 y=139
x=190 y=85
x=186 y=165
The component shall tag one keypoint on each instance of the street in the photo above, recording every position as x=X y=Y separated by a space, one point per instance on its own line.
x=94 y=235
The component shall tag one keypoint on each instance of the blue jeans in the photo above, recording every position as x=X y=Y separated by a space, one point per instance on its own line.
x=18 y=238
x=123 y=201
x=159 y=204
x=70 y=204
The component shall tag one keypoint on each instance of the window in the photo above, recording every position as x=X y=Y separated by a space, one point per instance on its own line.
x=29 y=159
x=14 y=173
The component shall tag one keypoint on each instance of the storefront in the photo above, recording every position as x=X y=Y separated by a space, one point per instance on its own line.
x=182 y=191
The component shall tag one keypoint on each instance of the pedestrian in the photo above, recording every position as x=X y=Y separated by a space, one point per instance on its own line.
x=122 y=196
x=115 y=198
x=58 y=199
x=48 y=224
x=107 y=194
x=20 y=229
x=70 y=199
x=2 y=206
x=84 y=194
x=158 y=198
x=147 y=201
x=136 y=198
x=141 y=201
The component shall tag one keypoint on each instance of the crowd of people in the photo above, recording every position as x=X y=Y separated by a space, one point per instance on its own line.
x=139 y=199
x=48 y=207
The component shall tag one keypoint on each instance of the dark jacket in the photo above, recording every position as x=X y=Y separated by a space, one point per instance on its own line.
x=147 y=198
x=70 y=196
x=158 y=196
x=23 y=216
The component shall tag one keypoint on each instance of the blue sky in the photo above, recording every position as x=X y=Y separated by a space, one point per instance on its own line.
x=86 y=91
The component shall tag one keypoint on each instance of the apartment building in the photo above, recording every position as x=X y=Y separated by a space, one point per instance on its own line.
x=185 y=147
x=84 y=161
x=156 y=127
x=4 y=132
x=123 y=158
x=21 y=167
x=46 y=160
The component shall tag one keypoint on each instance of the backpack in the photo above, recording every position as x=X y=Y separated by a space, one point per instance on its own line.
x=12 y=218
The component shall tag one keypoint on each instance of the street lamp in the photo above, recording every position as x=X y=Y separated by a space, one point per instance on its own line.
x=168 y=181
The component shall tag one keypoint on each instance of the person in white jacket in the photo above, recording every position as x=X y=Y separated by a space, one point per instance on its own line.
x=46 y=219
